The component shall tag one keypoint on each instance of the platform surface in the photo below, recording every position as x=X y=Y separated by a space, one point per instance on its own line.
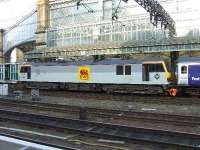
x=7 y=143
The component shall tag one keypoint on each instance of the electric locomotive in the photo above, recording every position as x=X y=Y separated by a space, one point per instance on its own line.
x=109 y=75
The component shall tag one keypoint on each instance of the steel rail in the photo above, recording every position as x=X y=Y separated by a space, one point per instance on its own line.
x=179 y=139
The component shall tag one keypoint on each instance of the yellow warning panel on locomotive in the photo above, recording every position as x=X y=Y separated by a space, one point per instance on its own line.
x=84 y=73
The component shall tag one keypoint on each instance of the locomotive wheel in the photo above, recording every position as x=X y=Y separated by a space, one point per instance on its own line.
x=172 y=92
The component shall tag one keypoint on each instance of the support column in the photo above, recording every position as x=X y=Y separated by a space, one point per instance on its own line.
x=174 y=56
x=43 y=19
x=19 y=55
x=1 y=46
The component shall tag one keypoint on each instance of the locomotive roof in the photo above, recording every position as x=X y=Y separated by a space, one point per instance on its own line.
x=90 y=62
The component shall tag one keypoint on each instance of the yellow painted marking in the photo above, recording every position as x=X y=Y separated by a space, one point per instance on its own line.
x=84 y=73
x=167 y=74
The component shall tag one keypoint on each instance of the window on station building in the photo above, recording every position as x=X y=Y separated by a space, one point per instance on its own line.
x=128 y=70
x=119 y=70
x=184 y=70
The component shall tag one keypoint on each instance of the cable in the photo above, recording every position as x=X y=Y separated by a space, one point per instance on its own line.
x=90 y=10
x=114 y=15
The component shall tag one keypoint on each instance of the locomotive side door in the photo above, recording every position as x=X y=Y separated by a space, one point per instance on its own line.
x=145 y=72
x=183 y=75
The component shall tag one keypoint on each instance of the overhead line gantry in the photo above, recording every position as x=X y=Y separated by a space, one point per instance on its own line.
x=158 y=15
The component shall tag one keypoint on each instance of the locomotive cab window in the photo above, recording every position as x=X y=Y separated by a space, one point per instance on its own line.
x=26 y=69
x=184 y=70
x=128 y=70
x=119 y=70
x=156 y=68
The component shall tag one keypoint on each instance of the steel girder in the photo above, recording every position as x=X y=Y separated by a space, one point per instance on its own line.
x=116 y=48
x=158 y=15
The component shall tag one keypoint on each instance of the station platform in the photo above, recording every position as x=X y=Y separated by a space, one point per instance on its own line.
x=8 y=143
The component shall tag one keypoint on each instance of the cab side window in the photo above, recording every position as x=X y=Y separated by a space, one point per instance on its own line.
x=123 y=70
x=184 y=70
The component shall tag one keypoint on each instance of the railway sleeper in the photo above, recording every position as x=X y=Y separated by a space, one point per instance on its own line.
x=193 y=91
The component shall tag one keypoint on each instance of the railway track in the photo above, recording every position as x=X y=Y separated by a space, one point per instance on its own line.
x=127 y=133
x=152 y=99
x=144 y=98
x=84 y=113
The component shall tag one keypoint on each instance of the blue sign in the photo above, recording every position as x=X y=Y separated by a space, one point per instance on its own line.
x=194 y=75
